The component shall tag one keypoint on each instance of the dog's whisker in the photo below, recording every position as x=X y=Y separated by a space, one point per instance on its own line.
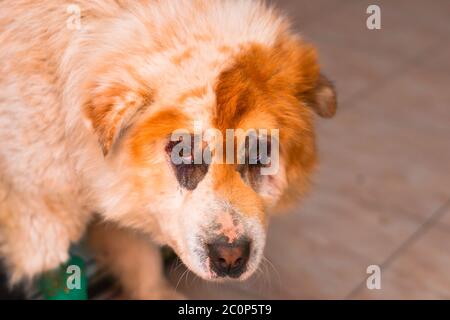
x=266 y=284
x=257 y=276
x=173 y=266
x=187 y=277
x=268 y=274
x=181 y=277
x=179 y=264
x=270 y=264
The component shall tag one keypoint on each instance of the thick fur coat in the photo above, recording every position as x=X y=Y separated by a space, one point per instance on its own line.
x=90 y=92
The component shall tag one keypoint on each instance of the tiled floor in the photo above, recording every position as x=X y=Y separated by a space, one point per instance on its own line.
x=382 y=195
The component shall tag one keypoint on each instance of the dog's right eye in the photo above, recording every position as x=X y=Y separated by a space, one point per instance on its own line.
x=256 y=155
x=188 y=173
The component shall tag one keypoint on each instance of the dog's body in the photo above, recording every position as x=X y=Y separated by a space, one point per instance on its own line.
x=86 y=109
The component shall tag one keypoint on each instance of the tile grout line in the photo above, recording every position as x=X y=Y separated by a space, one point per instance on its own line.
x=443 y=226
x=435 y=216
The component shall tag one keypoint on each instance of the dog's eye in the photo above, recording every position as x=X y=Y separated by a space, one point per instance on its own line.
x=256 y=153
x=259 y=160
x=188 y=173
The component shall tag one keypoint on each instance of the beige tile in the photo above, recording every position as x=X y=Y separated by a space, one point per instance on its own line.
x=303 y=12
x=444 y=221
x=390 y=149
x=420 y=272
x=359 y=59
x=324 y=250
x=406 y=26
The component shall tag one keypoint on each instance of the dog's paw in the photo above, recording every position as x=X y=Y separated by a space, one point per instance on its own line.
x=25 y=261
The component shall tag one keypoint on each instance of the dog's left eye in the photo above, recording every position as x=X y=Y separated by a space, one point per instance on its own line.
x=188 y=173
x=259 y=160
x=256 y=152
x=256 y=155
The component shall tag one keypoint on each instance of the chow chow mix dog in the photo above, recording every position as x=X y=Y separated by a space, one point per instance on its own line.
x=88 y=108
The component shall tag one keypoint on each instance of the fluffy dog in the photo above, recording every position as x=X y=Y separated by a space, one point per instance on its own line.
x=91 y=92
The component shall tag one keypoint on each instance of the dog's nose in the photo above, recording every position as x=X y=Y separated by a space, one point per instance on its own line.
x=229 y=259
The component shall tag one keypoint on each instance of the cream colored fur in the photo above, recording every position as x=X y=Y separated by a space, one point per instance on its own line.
x=53 y=174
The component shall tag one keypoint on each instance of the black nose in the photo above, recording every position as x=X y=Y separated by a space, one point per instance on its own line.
x=229 y=259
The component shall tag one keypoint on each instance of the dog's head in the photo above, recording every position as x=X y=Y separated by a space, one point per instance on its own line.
x=210 y=202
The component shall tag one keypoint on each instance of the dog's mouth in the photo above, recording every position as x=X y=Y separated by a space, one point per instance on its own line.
x=222 y=251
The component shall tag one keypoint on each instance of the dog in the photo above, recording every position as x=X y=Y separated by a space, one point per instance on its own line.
x=91 y=94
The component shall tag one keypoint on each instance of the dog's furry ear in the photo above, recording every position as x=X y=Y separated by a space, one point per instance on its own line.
x=313 y=88
x=112 y=110
x=322 y=98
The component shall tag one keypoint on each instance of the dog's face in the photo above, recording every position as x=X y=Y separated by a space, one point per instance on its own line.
x=214 y=213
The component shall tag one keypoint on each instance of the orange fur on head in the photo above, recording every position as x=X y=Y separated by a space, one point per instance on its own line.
x=270 y=87
x=114 y=94
x=158 y=127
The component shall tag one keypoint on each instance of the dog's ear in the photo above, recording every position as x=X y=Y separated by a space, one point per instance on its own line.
x=111 y=110
x=313 y=88
x=322 y=98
